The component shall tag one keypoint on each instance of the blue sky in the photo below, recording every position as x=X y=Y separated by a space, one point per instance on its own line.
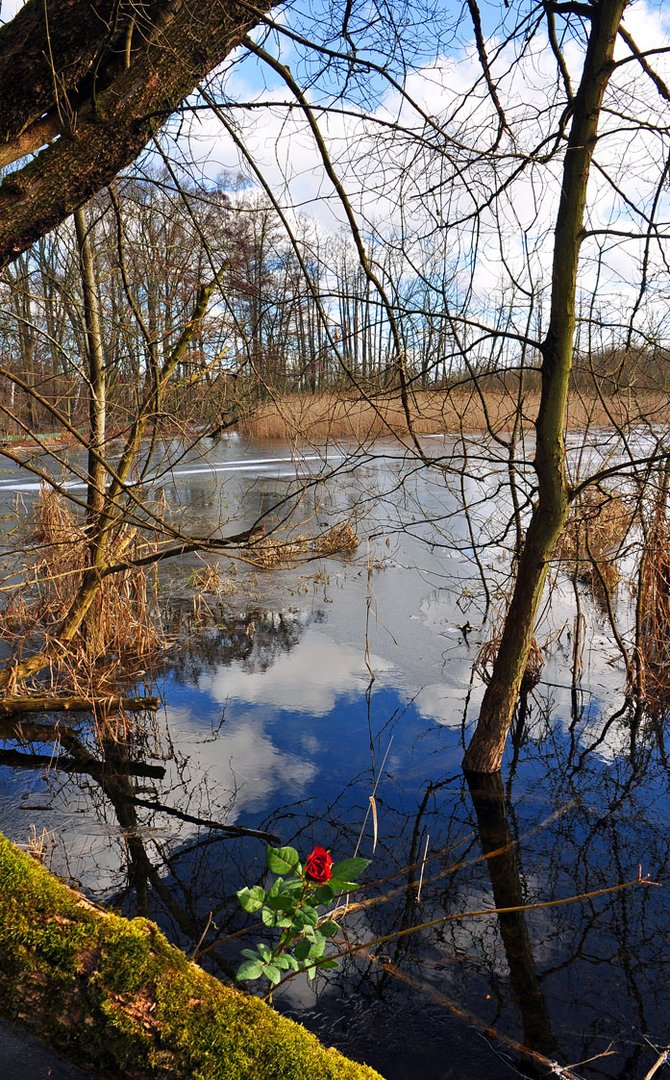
x=400 y=182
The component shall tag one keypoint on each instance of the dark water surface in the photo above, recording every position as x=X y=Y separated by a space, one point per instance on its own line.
x=290 y=699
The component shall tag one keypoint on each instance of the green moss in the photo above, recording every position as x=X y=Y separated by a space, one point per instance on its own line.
x=114 y=993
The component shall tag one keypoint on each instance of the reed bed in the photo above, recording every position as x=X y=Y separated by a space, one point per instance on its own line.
x=321 y=417
x=598 y=524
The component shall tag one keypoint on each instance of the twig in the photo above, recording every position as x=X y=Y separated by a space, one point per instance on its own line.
x=658 y=1064
x=423 y=865
x=554 y=1069
x=457 y=916
x=202 y=937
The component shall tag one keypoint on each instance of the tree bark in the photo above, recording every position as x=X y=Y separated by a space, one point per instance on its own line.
x=485 y=751
x=96 y=375
x=96 y=78
x=13 y=706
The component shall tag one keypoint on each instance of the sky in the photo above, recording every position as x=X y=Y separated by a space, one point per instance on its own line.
x=483 y=223
x=405 y=179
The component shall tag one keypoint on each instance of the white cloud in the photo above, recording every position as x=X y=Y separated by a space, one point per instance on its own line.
x=242 y=759
x=308 y=679
x=413 y=181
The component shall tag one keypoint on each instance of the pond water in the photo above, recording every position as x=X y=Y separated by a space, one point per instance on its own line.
x=292 y=697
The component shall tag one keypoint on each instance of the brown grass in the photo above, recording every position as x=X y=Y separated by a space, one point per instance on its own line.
x=270 y=552
x=318 y=418
x=653 y=645
x=598 y=524
x=487 y=655
x=121 y=627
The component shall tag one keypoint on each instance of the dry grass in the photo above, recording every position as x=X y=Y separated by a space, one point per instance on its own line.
x=122 y=626
x=342 y=539
x=487 y=655
x=653 y=645
x=211 y=579
x=270 y=552
x=321 y=417
x=598 y=525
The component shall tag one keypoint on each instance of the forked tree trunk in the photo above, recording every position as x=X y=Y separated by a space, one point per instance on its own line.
x=485 y=751
x=112 y=509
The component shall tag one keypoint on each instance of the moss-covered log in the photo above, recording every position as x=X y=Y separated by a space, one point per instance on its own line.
x=113 y=993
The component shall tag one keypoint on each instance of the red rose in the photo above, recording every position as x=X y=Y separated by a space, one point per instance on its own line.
x=318 y=864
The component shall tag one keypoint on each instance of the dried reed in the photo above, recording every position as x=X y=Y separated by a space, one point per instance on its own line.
x=211 y=579
x=121 y=627
x=328 y=415
x=653 y=639
x=339 y=540
x=486 y=658
x=598 y=524
x=270 y=552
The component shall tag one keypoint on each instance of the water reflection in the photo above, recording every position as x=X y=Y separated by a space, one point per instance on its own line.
x=499 y=845
x=268 y=731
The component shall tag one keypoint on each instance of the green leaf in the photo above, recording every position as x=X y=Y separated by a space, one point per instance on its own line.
x=250 y=953
x=283 y=860
x=349 y=869
x=340 y=885
x=251 y=899
x=310 y=915
x=269 y=917
x=317 y=948
x=263 y=951
x=310 y=972
x=283 y=962
x=272 y=974
x=323 y=894
x=328 y=928
x=327 y=965
x=280 y=898
x=301 y=951
x=250 y=969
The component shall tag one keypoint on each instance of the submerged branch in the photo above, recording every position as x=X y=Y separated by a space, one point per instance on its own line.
x=231 y=830
x=11 y=706
x=75 y=764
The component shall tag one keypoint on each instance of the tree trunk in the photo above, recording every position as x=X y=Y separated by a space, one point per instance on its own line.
x=485 y=751
x=95 y=81
x=96 y=377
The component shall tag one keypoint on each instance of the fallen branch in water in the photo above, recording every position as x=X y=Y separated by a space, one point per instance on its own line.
x=10 y=706
x=74 y=764
x=460 y=915
x=207 y=823
x=563 y=1072
x=658 y=1064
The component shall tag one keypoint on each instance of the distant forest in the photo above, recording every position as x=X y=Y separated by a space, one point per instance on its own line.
x=293 y=312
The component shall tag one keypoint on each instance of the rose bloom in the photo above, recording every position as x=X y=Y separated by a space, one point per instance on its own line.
x=318 y=864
